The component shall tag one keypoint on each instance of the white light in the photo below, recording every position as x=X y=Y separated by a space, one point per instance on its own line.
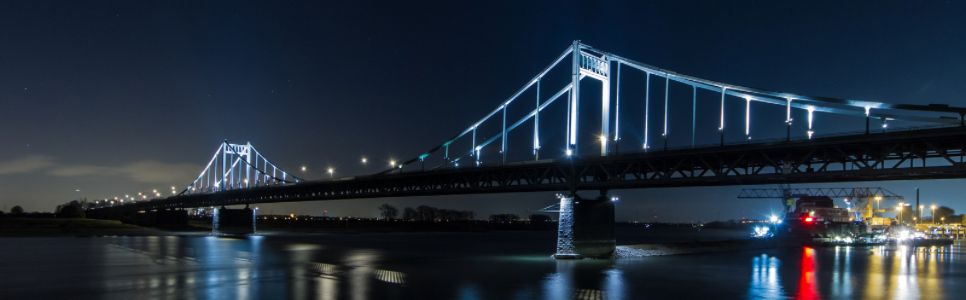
x=811 y=111
x=748 y=117
x=773 y=219
x=304 y=168
x=569 y=152
x=868 y=109
x=614 y=199
x=364 y=160
x=788 y=111
x=761 y=232
x=721 y=125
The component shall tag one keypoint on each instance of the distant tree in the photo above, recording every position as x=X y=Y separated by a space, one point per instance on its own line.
x=410 y=214
x=426 y=213
x=16 y=210
x=944 y=212
x=388 y=212
x=504 y=218
x=539 y=218
x=73 y=209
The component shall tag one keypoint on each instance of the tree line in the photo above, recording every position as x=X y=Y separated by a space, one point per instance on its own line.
x=427 y=213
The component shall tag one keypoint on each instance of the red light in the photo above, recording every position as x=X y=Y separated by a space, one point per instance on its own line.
x=809 y=219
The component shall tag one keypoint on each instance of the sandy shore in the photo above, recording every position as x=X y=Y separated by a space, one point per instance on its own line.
x=656 y=249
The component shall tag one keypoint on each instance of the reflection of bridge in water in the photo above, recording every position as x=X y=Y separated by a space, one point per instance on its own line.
x=479 y=158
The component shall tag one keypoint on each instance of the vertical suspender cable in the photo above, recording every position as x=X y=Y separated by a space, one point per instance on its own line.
x=647 y=105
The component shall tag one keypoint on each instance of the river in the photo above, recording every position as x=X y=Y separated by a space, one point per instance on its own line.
x=488 y=265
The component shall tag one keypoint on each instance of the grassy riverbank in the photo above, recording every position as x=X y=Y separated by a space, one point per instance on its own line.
x=14 y=227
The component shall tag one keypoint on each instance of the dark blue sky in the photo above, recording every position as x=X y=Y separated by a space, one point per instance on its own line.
x=117 y=97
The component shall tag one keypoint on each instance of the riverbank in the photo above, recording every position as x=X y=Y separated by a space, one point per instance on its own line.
x=46 y=227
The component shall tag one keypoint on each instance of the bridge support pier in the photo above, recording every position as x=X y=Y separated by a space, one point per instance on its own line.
x=233 y=221
x=585 y=227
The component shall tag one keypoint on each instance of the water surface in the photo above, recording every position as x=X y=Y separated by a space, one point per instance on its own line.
x=494 y=265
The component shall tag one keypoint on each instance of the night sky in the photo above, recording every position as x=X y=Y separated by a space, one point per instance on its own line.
x=107 y=98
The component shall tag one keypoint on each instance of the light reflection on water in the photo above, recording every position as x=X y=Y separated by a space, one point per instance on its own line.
x=880 y=272
x=314 y=268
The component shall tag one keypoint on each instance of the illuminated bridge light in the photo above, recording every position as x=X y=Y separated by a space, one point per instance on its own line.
x=811 y=113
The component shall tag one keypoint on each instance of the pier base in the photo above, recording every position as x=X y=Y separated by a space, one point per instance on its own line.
x=233 y=221
x=585 y=228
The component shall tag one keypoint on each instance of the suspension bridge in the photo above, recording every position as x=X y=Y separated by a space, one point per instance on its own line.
x=609 y=141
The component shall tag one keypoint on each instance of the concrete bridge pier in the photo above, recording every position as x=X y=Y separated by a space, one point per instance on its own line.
x=233 y=221
x=585 y=227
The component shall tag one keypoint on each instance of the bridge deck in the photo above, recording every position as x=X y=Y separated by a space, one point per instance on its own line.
x=920 y=154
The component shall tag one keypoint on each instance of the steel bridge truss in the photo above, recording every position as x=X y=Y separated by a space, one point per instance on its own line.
x=605 y=67
x=237 y=166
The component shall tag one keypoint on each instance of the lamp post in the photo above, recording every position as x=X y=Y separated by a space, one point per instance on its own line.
x=331 y=172
x=919 y=212
x=899 y=214
x=933 y=213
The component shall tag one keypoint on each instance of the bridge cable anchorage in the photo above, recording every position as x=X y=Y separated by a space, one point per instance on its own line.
x=241 y=166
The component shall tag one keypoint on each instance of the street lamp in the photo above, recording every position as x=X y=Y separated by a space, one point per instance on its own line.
x=304 y=169
x=877 y=200
x=331 y=172
x=921 y=207
x=933 y=214
x=364 y=160
x=899 y=213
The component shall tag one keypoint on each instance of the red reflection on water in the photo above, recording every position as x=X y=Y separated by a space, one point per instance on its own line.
x=807 y=287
